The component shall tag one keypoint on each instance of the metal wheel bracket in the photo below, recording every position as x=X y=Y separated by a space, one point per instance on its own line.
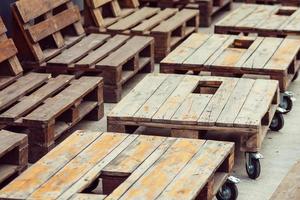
x=289 y=94
x=232 y=179
x=257 y=155
x=281 y=110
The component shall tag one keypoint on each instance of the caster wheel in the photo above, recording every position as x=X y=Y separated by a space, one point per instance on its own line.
x=93 y=186
x=296 y=76
x=228 y=191
x=287 y=104
x=253 y=167
x=277 y=122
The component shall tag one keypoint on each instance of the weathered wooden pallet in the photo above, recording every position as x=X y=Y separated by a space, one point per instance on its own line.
x=192 y=105
x=231 y=55
x=169 y=27
x=208 y=8
x=10 y=67
x=289 y=187
x=129 y=167
x=13 y=155
x=45 y=108
x=264 y=20
x=117 y=59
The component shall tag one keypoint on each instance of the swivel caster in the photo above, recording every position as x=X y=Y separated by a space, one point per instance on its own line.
x=277 y=122
x=93 y=186
x=295 y=76
x=253 y=165
x=228 y=191
x=286 y=103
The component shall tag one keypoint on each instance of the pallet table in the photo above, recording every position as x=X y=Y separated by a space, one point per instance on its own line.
x=10 y=67
x=13 y=155
x=169 y=27
x=289 y=188
x=208 y=8
x=52 y=39
x=129 y=167
x=45 y=108
x=192 y=105
x=231 y=55
x=264 y=20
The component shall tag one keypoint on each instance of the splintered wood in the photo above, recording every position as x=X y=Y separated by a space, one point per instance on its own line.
x=231 y=55
x=169 y=27
x=265 y=20
x=45 y=108
x=55 y=42
x=191 y=105
x=13 y=155
x=130 y=167
x=208 y=8
x=10 y=67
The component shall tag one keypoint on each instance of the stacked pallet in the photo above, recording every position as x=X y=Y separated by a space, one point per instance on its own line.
x=264 y=20
x=169 y=27
x=53 y=40
x=130 y=166
x=13 y=155
x=208 y=8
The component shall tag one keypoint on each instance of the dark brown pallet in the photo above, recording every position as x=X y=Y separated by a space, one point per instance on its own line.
x=237 y=56
x=208 y=8
x=45 y=108
x=13 y=155
x=169 y=27
x=264 y=20
x=130 y=167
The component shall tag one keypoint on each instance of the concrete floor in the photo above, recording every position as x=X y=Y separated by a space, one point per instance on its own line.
x=280 y=149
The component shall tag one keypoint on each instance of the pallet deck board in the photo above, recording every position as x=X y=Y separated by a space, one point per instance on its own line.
x=233 y=55
x=196 y=103
x=156 y=157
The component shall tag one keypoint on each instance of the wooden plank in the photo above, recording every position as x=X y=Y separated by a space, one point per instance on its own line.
x=79 y=50
x=235 y=102
x=88 y=197
x=256 y=104
x=9 y=140
x=44 y=169
x=196 y=174
x=7 y=50
x=77 y=167
x=170 y=106
x=150 y=107
x=22 y=86
x=138 y=96
x=217 y=103
x=186 y=48
x=133 y=156
x=6 y=171
x=157 y=177
x=30 y=102
x=2 y=27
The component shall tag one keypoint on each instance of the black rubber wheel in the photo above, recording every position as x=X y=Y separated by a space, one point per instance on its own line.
x=295 y=76
x=93 y=186
x=287 y=104
x=253 y=168
x=277 y=122
x=228 y=191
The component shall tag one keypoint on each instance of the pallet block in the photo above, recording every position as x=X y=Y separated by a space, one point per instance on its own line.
x=208 y=8
x=264 y=20
x=55 y=42
x=237 y=56
x=129 y=167
x=13 y=155
x=45 y=108
x=168 y=27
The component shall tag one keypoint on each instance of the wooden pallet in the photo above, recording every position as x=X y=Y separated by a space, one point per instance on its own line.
x=45 y=108
x=117 y=59
x=231 y=55
x=264 y=20
x=13 y=155
x=10 y=67
x=192 y=105
x=290 y=186
x=133 y=166
x=208 y=8
x=169 y=27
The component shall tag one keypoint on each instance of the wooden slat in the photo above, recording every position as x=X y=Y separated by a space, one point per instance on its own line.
x=88 y=197
x=44 y=169
x=7 y=50
x=2 y=27
x=9 y=141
